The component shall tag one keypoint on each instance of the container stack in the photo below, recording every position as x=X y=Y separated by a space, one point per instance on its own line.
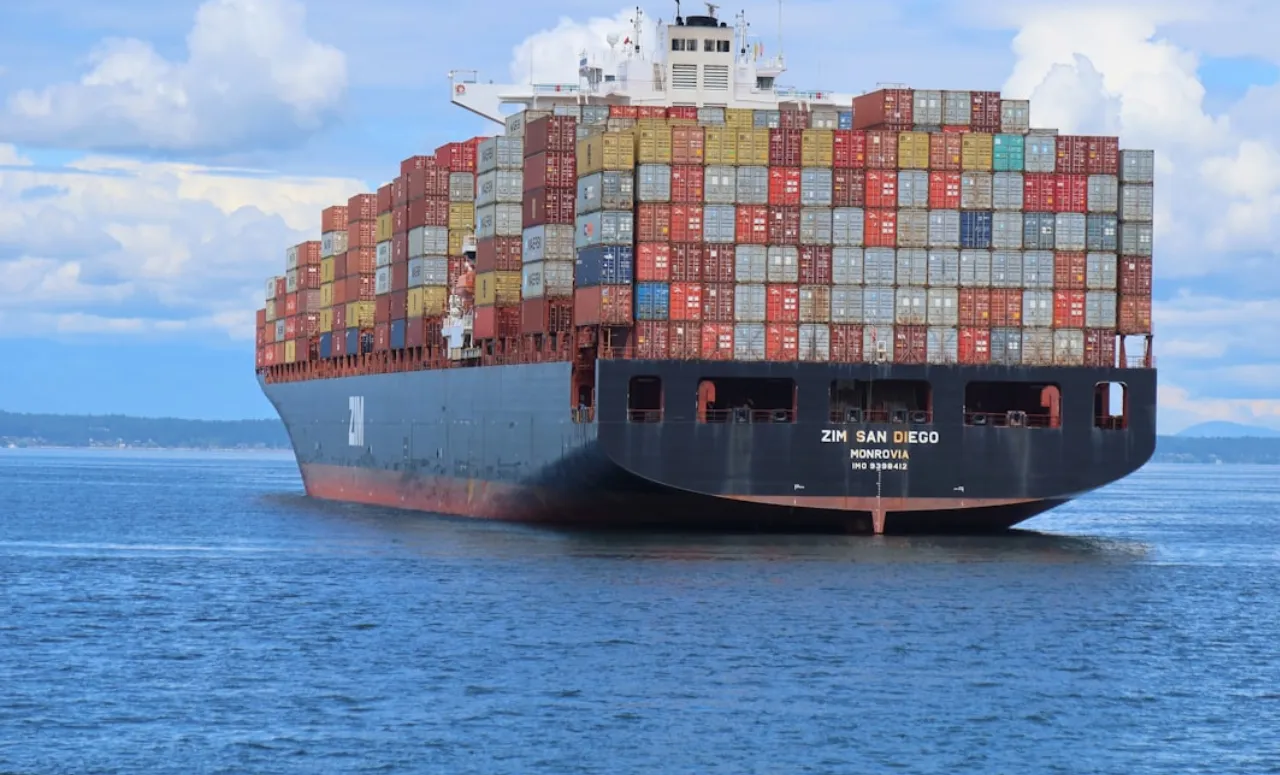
x=270 y=333
x=604 y=232
x=354 y=275
x=300 y=327
x=426 y=252
x=550 y=182
x=499 y=231
x=1137 y=211
x=333 y=243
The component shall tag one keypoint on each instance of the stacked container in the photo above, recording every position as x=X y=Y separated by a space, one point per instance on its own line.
x=549 y=189
x=604 y=235
x=1137 y=210
x=298 y=328
x=333 y=243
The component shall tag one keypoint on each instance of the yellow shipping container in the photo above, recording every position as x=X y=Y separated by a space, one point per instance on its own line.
x=653 y=144
x=457 y=239
x=497 y=288
x=462 y=216
x=913 y=150
x=739 y=118
x=326 y=321
x=326 y=270
x=290 y=351
x=607 y=151
x=753 y=147
x=326 y=295
x=413 y=302
x=975 y=151
x=385 y=227
x=435 y=299
x=271 y=310
x=360 y=314
x=721 y=146
x=816 y=148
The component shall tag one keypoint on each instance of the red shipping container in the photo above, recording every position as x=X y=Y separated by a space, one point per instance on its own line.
x=1068 y=271
x=400 y=191
x=782 y=303
x=414 y=163
x=309 y=253
x=686 y=262
x=688 y=145
x=269 y=355
x=686 y=340
x=382 y=308
x=687 y=183
x=553 y=169
x=484 y=324
x=501 y=254
x=399 y=248
x=1006 y=307
x=362 y=207
x=848 y=188
x=944 y=190
x=533 y=316
x=882 y=188
x=602 y=305
x=333 y=219
x=881 y=228
x=910 y=344
x=1039 y=192
x=554 y=134
x=1103 y=156
x=752 y=227
x=362 y=234
x=436 y=182
x=651 y=111
x=1134 y=315
x=651 y=339
x=359 y=288
x=339 y=317
x=560 y=316
x=686 y=301
x=624 y=111
x=985 y=110
x=400 y=220
x=784 y=186
x=815 y=264
x=882 y=150
x=291 y=327
x=958 y=129
x=416 y=183
x=1135 y=275
x=340 y=292
x=846 y=343
x=849 y=149
x=974 y=346
x=309 y=324
x=717 y=341
x=414 y=333
x=308 y=278
x=718 y=262
x=1099 y=347
x=362 y=261
x=785 y=147
x=888 y=108
x=507 y=320
x=782 y=342
x=384 y=199
x=793 y=119
x=717 y=302
x=653 y=262
x=1073 y=155
x=290 y=304
x=458 y=266
x=687 y=112
x=1071 y=193
x=433 y=211
x=945 y=151
x=259 y=357
x=308 y=301
x=975 y=307
x=340 y=266
x=784 y=225
x=282 y=286
x=458 y=157
x=686 y=222
x=1068 y=309
x=549 y=206
x=261 y=319
x=399 y=276
x=653 y=222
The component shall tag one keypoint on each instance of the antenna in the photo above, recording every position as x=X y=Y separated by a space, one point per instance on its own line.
x=711 y=9
x=780 y=28
x=679 y=21
x=639 y=27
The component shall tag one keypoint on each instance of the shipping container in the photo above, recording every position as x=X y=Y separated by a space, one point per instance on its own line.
x=1103 y=194
x=549 y=279
x=499 y=186
x=815 y=187
x=973 y=307
x=1102 y=156
x=753 y=147
x=718 y=302
x=976 y=151
x=881 y=227
x=975 y=229
x=1008 y=153
x=604 y=265
x=944 y=268
x=1041 y=154
x=462 y=187
x=753 y=185
x=1137 y=166
x=783 y=264
x=719 y=185
x=1134 y=315
x=428 y=241
x=878 y=344
x=1015 y=116
x=1137 y=202
x=846 y=343
x=910 y=344
x=719 y=223
x=913 y=228
x=749 y=303
x=1039 y=231
x=549 y=242
x=1038 y=269
x=847 y=226
x=686 y=301
x=927 y=107
x=784 y=186
x=846 y=266
x=880 y=266
x=687 y=262
x=945 y=152
x=1007 y=191
x=1072 y=154
x=717 y=341
x=653 y=143
x=944 y=228
x=720 y=144
x=943 y=345
x=1135 y=276
x=1006 y=231
x=749 y=342
x=815 y=303
x=816 y=148
x=1100 y=347
x=957 y=108
x=359 y=314
x=1037 y=347
x=688 y=144
x=846 y=304
x=944 y=307
x=752 y=225
x=849 y=150
x=498 y=288
x=913 y=150
x=973 y=346
x=382 y=281
x=815 y=226
x=976 y=191
x=1006 y=347
x=1071 y=193
x=498 y=220
x=879 y=305
x=1069 y=270
x=1100 y=309
x=383 y=254
x=785 y=148
x=913 y=188
x=822 y=118
x=815 y=343
x=784 y=225
x=986 y=111
x=1101 y=233
x=781 y=341
x=882 y=150
x=882 y=188
x=686 y=223
x=888 y=108
x=653 y=183
x=500 y=153
x=686 y=340
x=614 y=151
x=1101 y=272
x=652 y=339
x=653 y=262
x=1040 y=192
x=1006 y=307
x=1068 y=309
x=604 y=228
x=1007 y=268
x=1135 y=239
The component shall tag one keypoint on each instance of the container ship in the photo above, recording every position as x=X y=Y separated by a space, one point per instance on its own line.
x=676 y=295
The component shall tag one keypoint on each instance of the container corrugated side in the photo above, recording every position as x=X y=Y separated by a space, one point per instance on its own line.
x=749 y=303
x=1137 y=202
x=944 y=268
x=847 y=226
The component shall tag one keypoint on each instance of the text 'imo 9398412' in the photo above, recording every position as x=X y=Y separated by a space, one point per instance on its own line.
x=677 y=295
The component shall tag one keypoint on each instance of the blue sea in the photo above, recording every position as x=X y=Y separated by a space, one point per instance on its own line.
x=195 y=613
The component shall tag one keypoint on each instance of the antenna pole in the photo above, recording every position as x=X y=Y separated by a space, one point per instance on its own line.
x=779 y=27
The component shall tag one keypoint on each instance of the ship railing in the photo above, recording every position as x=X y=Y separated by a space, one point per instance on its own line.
x=1140 y=362
x=556 y=88
x=742 y=415
x=1108 y=422
x=644 y=415
x=583 y=414
x=1012 y=419
x=889 y=416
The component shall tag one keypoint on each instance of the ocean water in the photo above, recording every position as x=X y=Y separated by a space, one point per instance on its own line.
x=185 y=613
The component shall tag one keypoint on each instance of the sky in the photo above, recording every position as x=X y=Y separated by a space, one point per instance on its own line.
x=156 y=159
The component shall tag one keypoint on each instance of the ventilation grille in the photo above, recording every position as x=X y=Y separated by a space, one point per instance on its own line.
x=715 y=77
x=684 y=77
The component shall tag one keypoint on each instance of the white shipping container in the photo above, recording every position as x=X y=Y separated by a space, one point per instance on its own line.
x=944 y=268
x=609 y=190
x=1006 y=269
x=435 y=271
x=912 y=307
x=271 y=310
x=846 y=266
x=1068 y=347
x=1015 y=116
x=957 y=108
x=550 y=279
x=610 y=227
x=913 y=188
x=332 y=243
x=1103 y=193
x=291 y=281
x=975 y=191
x=926 y=108
x=944 y=307
x=382 y=281
x=1100 y=271
x=500 y=153
x=913 y=267
x=291 y=258
x=1037 y=346
x=1038 y=231
x=620 y=124
x=815 y=342
x=653 y=183
x=848 y=225
x=766 y=119
x=573 y=111
x=1006 y=346
x=879 y=266
x=879 y=304
x=428 y=241
x=824 y=119
x=748 y=303
x=1037 y=269
x=975 y=268
x=1100 y=232
x=382 y=256
x=1006 y=190
x=1100 y=309
x=913 y=228
x=549 y=242
x=1069 y=232
x=944 y=228
x=750 y=263
x=877 y=344
x=815 y=225
x=748 y=342
x=711 y=116
x=1137 y=166
x=784 y=264
x=271 y=289
x=1135 y=239
x=1006 y=231
x=815 y=187
x=753 y=185
x=499 y=220
x=943 y=345
x=719 y=223
x=1037 y=309
x=595 y=115
x=499 y=186
x=280 y=330
x=720 y=185
x=415 y=272
x=462 y=187
x=1041 y=154
x=846 y=304
x=1137 y=202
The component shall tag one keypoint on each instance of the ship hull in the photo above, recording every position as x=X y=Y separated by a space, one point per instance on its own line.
x=502 y=442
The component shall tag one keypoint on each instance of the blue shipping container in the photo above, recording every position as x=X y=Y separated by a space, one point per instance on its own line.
x=844 y=119
x=975 y=229
x=353 y=341
x=397 y=335
x=653 y=301
x=604 y=265
x=366 y=342
x=326 y=345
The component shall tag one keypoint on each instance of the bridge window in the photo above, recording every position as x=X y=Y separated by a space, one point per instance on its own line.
x=1013 y=404
x=722 y=46
x=898 y=401
x=677 y=44
x=1111 y=406
x=743 y=400
x=708 y=45
x=644 y=399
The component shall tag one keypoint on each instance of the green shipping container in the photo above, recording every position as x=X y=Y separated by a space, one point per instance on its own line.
x=1009 y=153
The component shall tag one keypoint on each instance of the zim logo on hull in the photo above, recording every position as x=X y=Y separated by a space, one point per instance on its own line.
x=831 y=436
x=355 y=426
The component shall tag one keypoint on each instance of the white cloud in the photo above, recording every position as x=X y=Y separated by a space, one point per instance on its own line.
x=1180 y=408
x=252 y=78
x=551 y=55
x=9 y=157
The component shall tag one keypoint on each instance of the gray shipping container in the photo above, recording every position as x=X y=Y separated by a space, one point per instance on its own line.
x=944 y=307
x=1100 y=232
x=878 y=305
x=753 y=185
x=975 y=191
x=435 y=271
x=500 y=220
x=383 y=254
x=711 y=116
x=516 y=122
x=280 y=330
x=1037 y=346
x=846 y=266
x=291 y=281
x=975 y=268
x=719 y=223
x=1006 y=269
x=1135 y=239
x=1038 y=231
x=1100 y=271
x=550 y=242
x=750 y=263
x=427 y=241
x=911 y=307
x=1041 y=154
x=748 y=303
x=913 y=188
x=1037 y=269
x=1068 y=347
x=1015 y=116
x=957 y=108
x=913 y=228
x=1100 y=309
x=462 y=187
x=574 y=111
x=552 y=279
x=1006 y=346
x=1006 y=191
x=619 y=124
x=748 y=342
x=1137 y=166
x=1037 y=309
x=1069 y=232
x=767 y=119
x=1137 y=202
x=944 y=228
x=595 y=115
x=1006 y=231
x=784 y=264
x=815 y=187
x=499 y=186
x=815 y=342
x=926 y=107
x=944 y=268
x=611 y=227
x=913 y=267
x=1103 y=193
x=846 y=304
x=877 y=344
x=815 y=226
x=606 y=191
x=824 y=119
x=382 y=281
x=332 y=243
x=500 y=153
x=879 y=266
x=943 y=344
x=653 y=183
x=848 y=225
x=720 y=185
